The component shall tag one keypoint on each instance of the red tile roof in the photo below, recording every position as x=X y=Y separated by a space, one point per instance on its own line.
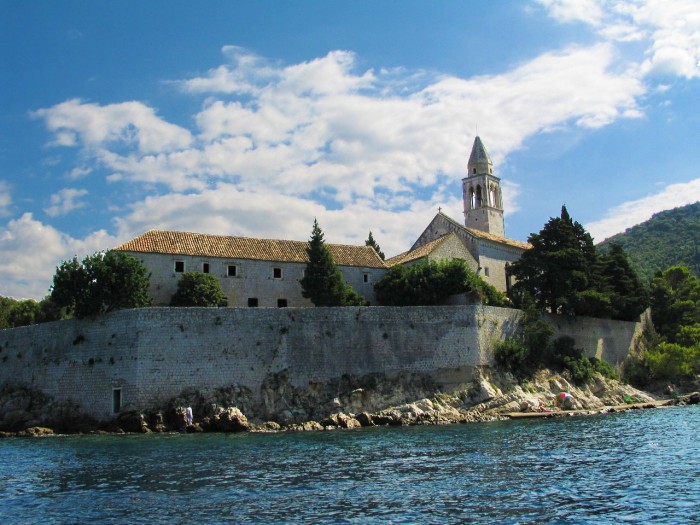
x=422 y=251
x=205 y=245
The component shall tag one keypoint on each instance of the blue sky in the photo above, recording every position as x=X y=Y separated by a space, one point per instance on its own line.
x=252 y=118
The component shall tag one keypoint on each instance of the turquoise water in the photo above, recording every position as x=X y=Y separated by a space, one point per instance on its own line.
x=636 y=467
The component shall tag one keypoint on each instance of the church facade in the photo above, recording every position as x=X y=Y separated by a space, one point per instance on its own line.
x=266 y=272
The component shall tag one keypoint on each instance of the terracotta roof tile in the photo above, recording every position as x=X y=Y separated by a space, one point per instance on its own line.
x=490 y=236
x=205 y=245
x=421 y=251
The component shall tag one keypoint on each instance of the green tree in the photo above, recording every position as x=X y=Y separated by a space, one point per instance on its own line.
x=323 y=283
x=431 y=283
x=560 y=271
x=101 y=283
x=371 y=242
x=24 y=313
x=675 y=302
x=627 y=295
x=198 y=289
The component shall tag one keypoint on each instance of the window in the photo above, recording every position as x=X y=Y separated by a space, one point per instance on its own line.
x=179 y=266
x=277 y=273
x=281 y=303
x=486 y=271
x=116 y=400
x=205 y=267
x=365 y=278
x=252 y=302
x=231 y=270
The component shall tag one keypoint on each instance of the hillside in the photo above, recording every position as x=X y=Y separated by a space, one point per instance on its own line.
x=669 y=238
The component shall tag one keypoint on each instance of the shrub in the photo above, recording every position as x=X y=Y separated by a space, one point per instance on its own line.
x=510 y=354
x=671 y=361
x=603 y=367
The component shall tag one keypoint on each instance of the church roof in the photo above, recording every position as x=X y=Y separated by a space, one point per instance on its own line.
x=489 y=236
x=227 y=247
x=417 y=253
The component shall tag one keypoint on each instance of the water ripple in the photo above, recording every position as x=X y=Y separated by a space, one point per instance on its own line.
x=639 y=467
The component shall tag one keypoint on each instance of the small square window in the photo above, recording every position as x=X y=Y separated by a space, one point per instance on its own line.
x=365 y=278
x=281 y=303
x=205 y=267
x=179 y=266
x=252 y=302
x=277 y=273
x=232 y=270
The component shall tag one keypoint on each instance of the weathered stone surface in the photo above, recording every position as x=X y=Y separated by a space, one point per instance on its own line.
x=35 y=432
x=229 y=419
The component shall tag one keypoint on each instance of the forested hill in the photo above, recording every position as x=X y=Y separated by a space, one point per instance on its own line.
x=669 y=238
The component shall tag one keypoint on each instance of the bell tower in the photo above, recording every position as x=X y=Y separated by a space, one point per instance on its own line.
x=481 y=190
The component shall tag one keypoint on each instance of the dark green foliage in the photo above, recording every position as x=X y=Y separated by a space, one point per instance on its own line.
x=558 y=268
x=564 y=274
x=531 y=348
x=14 y=313
x=669 y=238
x=603 y=367
x=431 y=283
x=536 y=334
x=675 y=302
x=101 y=283
x=628 y=297
x=371 y=242
x=671 y=361
x=511 y=354
x=570 y=358
x=198 y=289
x=323 y=283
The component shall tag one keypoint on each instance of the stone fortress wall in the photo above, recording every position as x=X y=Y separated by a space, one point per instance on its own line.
x=147 y=356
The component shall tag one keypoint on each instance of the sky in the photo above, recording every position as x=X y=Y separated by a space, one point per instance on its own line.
x=252 y=118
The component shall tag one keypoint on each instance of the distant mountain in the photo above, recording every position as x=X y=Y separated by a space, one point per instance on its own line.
x=670 y=237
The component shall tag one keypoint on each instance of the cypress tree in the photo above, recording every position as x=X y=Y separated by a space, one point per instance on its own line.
x=322 y=283
x=371 y=242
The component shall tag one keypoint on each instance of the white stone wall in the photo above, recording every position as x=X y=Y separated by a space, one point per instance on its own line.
x=254 y=279
x=493 y=258
x=152 y=354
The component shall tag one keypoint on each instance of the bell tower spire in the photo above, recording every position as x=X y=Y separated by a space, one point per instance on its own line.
x=481 y=190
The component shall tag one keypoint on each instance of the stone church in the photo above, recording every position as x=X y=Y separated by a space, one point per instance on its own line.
x=266 y=272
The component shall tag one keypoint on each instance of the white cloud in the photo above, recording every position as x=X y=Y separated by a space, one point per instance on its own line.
x=225 y=210
x=671 y=29
x=65 y=201
x=587 y=11
x=130 y=124
x=30 y=251
x=630 y=213
x=318 y=126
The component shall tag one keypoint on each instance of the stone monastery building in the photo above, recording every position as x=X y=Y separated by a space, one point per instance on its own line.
x=266 y=272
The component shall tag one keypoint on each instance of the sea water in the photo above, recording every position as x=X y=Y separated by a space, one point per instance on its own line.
x=635 y=467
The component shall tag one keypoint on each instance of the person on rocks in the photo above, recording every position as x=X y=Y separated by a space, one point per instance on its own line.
x=188 y=415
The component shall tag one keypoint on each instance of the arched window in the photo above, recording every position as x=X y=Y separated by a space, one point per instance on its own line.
x=478 y=197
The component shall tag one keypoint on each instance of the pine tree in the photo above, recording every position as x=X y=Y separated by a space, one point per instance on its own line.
x=559 y=272
x=628 y=296
x=371 y=242
x=322 y=283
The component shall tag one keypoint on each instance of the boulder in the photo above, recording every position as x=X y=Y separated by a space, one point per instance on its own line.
x=35 y=432
x=229 y=419
x=365 y=419
x=132 y=421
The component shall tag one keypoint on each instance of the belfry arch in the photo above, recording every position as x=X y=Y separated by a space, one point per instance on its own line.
x=483 y=204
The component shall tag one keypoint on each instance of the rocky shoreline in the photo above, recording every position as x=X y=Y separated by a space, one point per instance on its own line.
x=491 y=397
